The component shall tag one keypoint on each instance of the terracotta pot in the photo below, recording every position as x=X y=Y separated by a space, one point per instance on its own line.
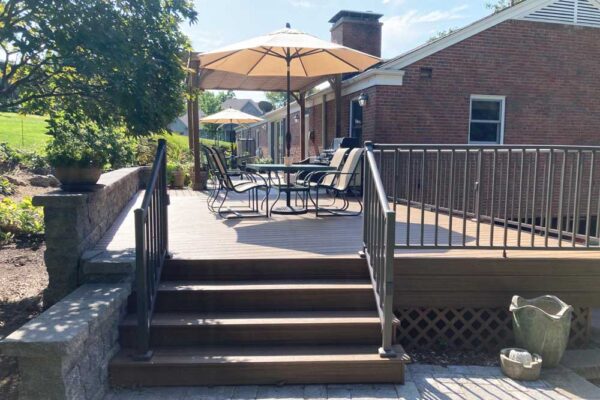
x=542 y=325
x=178 y=178
x=77 y=178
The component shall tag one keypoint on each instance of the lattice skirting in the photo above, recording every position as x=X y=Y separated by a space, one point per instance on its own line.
x=472 y=328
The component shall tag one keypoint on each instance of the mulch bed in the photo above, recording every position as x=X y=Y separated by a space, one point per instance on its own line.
x=446 y=357
x=23 y=278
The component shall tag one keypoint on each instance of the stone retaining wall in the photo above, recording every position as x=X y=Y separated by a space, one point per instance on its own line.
x=76 y=221
x=63 y=354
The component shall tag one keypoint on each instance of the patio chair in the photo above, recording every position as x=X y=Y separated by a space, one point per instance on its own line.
x=339 y=184
x=252 y=185
x=312 y=178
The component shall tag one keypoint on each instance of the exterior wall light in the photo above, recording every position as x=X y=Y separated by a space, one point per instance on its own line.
x=296 y=118
x=362 y=99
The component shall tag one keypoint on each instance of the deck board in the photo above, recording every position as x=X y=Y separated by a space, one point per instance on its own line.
x=196 y=233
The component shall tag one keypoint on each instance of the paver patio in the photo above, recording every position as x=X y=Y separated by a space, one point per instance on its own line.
x=423 y=382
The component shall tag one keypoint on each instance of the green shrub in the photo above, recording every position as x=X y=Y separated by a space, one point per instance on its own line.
x=6 y=188
x=20 y=219
x=35 y=162
x=9 y=157
x=82 y=143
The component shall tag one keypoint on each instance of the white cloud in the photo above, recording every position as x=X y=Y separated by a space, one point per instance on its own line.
x=411 y=29
x=203 y=40
x=394 y=2
x=301 y=3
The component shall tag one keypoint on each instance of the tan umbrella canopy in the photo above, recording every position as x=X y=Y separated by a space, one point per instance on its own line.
x=230 y=116
x=287 y=52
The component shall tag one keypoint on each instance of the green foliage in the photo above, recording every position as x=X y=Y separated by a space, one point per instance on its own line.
x=442 y=34
x=9 y=157
x=263 y=160
x=35 y=162
x=24 y=132
x=499 y=5
x=6 y=188
x=116 y=61
x=79 y=142
x=19 y=219
x=278 y=99
x=210 y=102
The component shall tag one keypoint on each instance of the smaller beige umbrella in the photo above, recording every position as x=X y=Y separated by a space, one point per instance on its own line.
x=230 y=116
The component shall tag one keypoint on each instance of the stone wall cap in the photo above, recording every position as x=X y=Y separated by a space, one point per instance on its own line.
x=62 y=199
x=64 y=327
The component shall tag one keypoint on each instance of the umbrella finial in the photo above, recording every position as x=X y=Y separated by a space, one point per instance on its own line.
x=287 y=25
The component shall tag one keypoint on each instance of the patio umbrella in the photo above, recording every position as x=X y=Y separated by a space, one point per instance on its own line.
x=230 y=116
x=287 y=52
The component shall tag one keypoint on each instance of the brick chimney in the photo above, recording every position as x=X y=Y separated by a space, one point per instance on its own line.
x=358 y=30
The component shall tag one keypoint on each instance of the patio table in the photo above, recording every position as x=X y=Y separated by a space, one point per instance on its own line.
x=288 y=188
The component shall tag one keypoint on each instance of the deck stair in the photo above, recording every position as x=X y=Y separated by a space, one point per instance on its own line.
x=260 y=322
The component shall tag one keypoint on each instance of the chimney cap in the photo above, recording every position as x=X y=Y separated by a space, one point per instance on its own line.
x=363 y=15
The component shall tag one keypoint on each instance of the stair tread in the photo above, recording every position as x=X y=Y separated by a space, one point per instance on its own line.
x=170 y=286
x=258 y=318
x=181 y=356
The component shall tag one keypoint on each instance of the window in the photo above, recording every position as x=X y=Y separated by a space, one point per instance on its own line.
x=426 y=73
x=487 y=120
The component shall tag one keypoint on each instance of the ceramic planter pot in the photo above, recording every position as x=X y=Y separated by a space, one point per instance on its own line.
x=77 y=178
x=517 y=369
x=542 y=326
x=178 y=178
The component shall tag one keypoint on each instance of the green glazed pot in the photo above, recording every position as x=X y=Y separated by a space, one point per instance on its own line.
x=542 y=325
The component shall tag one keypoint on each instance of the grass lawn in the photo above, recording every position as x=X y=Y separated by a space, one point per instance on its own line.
x=32 y=136
x=26 y=132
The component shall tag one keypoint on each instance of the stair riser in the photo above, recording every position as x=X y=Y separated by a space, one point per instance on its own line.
x=266 y=300
x=275 y=373
x=322 y=334
x=240 y=270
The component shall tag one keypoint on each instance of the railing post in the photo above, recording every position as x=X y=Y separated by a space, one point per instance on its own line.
x=143 y=351
x=366 y=198
x=386 y=349
x=165 y=199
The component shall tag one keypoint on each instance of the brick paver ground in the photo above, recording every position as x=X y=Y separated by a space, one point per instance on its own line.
x=424 y=382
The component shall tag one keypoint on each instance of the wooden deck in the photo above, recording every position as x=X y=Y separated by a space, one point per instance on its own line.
x=196 y=233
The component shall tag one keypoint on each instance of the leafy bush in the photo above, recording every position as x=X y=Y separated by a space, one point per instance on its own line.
x=78 y=142
x=35 y=162
x=9 y=157
x=19 y=219
x=6 y=188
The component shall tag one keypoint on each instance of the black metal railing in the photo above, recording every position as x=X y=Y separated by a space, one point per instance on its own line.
x=495 y=197
x=151 y=248
x=378 y=246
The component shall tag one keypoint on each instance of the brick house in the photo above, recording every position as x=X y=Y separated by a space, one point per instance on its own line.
x=527 y=75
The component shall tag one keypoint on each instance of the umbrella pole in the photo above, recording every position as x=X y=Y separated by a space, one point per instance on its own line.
x=288 y=136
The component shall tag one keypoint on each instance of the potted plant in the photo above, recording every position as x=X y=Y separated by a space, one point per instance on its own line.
x=179 y=161
x=80 y=150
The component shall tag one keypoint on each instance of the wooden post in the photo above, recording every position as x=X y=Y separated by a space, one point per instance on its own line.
x=337 y=90
x=190 y=105
x=302 y=103
x=197 y=183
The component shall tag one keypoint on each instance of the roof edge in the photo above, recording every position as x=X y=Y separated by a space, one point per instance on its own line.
x=464 y=33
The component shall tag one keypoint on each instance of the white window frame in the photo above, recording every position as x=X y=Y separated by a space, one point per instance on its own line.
x=485 y=97
x=351 y=122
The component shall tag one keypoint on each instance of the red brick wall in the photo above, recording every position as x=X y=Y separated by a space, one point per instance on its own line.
x=549 y=73
x=364 y=36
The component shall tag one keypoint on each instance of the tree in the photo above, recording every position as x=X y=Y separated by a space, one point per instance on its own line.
x=442 y=34
x=499 y=5
x=115 y=61
x=210 y=102
x=278 y=99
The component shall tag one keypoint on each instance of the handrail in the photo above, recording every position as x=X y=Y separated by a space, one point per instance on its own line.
x=506 y=197
x=151 y=248
x=378 y=246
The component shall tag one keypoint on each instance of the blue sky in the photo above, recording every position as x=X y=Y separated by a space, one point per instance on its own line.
x=406 y=23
